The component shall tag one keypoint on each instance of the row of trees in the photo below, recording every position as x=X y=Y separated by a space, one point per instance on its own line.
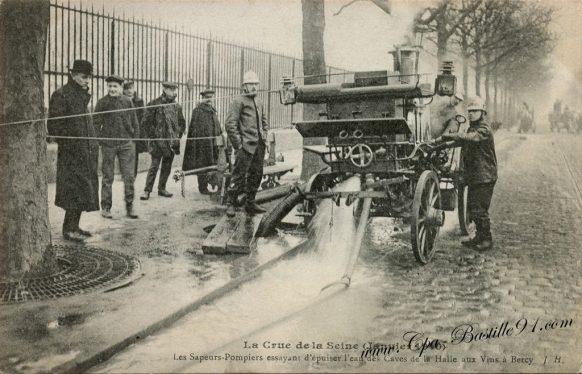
x=506 y=42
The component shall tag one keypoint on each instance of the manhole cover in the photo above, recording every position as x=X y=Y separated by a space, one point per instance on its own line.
x=81 y=270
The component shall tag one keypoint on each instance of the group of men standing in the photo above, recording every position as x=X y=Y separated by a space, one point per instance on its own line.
x=119 y=123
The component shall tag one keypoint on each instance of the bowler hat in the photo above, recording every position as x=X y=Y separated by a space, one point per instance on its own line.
x=114 y=78
x=128 y=84
x=207 y=91
x=82 y=66
x=170 y=84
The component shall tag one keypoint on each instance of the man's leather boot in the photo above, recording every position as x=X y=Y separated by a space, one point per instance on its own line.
x=230 y=211
x=484 y=245
x=130 y=212
x=106 y=213
x=145 y=196
x=252 y=207
x=471 y=242
x=164 y=193
x=84 y=232
x=73 y=236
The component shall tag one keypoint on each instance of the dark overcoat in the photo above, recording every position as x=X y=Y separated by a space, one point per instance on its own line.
x=77 y=181
x=163 y=119
x=140 y=145
x=202 y=152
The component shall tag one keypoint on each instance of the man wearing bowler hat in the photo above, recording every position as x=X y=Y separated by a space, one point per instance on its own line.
x=77 y=181
x=164 y=124
x=202 y=152
x=118 y=122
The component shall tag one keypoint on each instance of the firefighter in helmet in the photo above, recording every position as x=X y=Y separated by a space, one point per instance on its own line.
x=478 y=170
x=246 y=126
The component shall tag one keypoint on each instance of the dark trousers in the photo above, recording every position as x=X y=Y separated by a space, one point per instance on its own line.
x=125 y=154
x=478 y=202
x=136 y=163
x=246 y=174
x=71 y=222
x=164 y=172
x=202 y=182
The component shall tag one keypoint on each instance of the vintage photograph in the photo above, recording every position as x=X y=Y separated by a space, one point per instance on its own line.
x=264 y=186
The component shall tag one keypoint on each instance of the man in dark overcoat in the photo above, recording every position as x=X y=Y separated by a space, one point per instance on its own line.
x=77 y=181
x=165 y=124
x=247 y=127
x=141 y=146
x=202 y=152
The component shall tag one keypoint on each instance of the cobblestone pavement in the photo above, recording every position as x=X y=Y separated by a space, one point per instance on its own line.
x=530 y=279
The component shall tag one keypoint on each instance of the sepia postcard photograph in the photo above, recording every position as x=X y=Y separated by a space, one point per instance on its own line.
x=290 y=186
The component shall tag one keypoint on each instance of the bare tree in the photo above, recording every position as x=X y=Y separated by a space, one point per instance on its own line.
x=495 y=34
x=442 y=21
x=24 y=223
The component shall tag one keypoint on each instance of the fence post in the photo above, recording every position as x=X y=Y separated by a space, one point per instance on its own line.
x=242 y=65
x=269 y=91
x=167 y=53
x=293 y=76
x=112 y=52
x=208 y=62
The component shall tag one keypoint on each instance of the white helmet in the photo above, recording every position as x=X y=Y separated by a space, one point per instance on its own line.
x=476 y=104
x=250 y=77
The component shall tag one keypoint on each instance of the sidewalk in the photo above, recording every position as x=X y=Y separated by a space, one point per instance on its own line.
x=166 y=239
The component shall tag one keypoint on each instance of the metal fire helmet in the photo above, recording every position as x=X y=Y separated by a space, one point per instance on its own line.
x=251 y=77
x=476 y=103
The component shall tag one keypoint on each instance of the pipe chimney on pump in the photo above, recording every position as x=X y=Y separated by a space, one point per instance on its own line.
x=405 y=62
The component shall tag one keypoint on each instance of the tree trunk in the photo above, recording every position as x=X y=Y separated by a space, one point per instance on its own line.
x=478 y=73
x=495 y=105
x=24 y=223
x=490 y=109
x=466 y=57
x=314 y=70
x=441 y=39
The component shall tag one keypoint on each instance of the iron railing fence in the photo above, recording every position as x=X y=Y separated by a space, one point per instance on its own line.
x=149 y=54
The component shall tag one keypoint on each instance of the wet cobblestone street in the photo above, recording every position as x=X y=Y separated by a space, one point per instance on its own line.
x=530 y=279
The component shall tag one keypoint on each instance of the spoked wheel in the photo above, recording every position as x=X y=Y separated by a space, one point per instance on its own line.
x=427 y=217
x=467 y=227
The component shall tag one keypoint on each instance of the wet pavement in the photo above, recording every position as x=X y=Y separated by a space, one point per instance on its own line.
x=166 y=239
x=523 y=296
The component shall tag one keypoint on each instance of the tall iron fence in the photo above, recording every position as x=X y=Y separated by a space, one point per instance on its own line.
x=149 y=54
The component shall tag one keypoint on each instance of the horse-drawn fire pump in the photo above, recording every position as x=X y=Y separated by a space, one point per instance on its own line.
x=377 y=128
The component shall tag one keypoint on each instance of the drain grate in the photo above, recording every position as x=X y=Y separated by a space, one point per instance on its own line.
x=81 y=270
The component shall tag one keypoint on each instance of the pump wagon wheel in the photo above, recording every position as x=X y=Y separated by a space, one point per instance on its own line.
x=467 y=227
x=427 y=217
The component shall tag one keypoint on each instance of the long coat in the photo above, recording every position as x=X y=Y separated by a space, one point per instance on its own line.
x=164 y=121
x=140 y=145
x=202 y=152
x=245 y=122
x=77 y=181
